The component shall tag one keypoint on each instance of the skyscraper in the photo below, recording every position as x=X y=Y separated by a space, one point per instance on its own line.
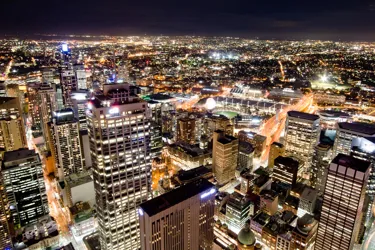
x=22 y=177
x=224 y=156
x=67 y=148
x=343 y=200
x=245 y=156
x=180 y=219
x=319 y=165
x=79 y=101
x=46 y=101
x=119 y=131
x=68 y=82
x=276 y=150
x=346 y=132
x=285 y=170
x=186 y=130
x=12 y=130
x=80 y=72
x=302 y=132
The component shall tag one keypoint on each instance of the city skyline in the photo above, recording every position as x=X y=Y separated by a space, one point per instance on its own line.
x=333 y=20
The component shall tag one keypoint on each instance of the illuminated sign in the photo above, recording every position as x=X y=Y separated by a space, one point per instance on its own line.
x=64 y=47
x=114 y=110
x=208 y=193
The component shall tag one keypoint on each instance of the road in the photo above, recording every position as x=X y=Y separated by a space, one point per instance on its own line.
x=57 y=211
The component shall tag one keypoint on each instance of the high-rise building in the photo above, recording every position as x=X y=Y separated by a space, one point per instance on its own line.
x=285 y=170
x=343 y=200
x=156 y=128
x=346 y=132
x=180 y=219
x=12 y=129
x=238 y=211
x=68 y=82
x=46 y=101
x=23 y=181
x=79 y=101
x=258 y=141
x=119 y=132
x=224 y=156
x=217 y=122
x=186 y=130
x=319 y=166
x=80 y=72
x=245 y=156
x=67 y=148
x=5 y=237
x=276 y=150
x=302 y=132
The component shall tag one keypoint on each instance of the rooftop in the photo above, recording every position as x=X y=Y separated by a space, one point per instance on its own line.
x=18 y=154
x=358 y=127
x=351 y=162
x=176 y=196
x=74 y=180
x=189 y=149
x=302 y=115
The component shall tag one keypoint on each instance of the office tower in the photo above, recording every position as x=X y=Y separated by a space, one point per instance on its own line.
x=12 y=129
x=285 y=170
x=342 y=203
x=276 y=150
x=80 y=72
x=346 y=132
x=32 y=94
x=302 y=132
x=180 y=219
x=79 y=100
x=5 y=238
x=304 y=234
x=119 y=132
x=238 y=211
x=245 y=156
x=156 y=128
x=67 y=145
x=46 y=101
x=258 y=141
x=269 y=201
x=307 y=202
x=319 y=165
x=224 y=156
x=22 y=177
x=48 y=75
x=59 y=96
x=217 y=122
x=68 y=82
x=186 y=130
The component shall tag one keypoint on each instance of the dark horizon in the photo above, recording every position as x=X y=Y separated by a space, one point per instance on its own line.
x=279 y=20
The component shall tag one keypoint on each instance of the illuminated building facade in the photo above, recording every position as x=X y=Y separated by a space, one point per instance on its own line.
x=346 y=132
x=156 y=128
x=302 y=132
x=304 y=234
x=245 y=156
x=5 y=238
x=68 y=82
x=186 y=130
x=343 y=200
x=276 y=150
x=23 y=181
x=285 y=170
x=182 y=155
x=224 y=156
x=319 y=166
x=80 y=73
x=238 y=211
x=12 y=130
x=257 y=140
x=185 y=221
x=67 y=145
x=79 y=101
x=119 y=132
x=329 y=118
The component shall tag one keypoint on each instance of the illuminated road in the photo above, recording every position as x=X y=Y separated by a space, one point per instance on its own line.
x=56 y=210
x=7 y=70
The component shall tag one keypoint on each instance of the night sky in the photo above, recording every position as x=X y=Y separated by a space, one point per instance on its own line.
x=266 y=19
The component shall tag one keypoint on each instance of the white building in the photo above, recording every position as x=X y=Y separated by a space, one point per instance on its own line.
x=79 y=188
x=119 y=131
